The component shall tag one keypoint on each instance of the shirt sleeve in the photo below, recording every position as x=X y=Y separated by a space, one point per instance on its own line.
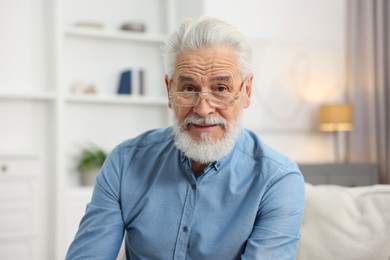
x=276 y=231
x=101 y=229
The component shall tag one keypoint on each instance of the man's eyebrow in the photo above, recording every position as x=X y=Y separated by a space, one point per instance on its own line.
x=222 y=78
x=184 y=78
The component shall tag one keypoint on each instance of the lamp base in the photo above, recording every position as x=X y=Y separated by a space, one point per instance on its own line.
x=339 y=152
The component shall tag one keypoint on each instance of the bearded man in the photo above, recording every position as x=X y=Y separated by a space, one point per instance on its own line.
x=205 y=188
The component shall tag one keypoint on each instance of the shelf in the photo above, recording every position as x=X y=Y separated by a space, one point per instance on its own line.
x=28 y=96
x=114 y=34
x=18 y=155
x=117 y=99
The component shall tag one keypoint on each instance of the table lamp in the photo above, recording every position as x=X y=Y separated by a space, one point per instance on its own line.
x=336 y=118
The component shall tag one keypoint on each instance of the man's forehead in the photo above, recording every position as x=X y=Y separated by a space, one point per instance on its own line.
x=208 y=57
x=207 y=64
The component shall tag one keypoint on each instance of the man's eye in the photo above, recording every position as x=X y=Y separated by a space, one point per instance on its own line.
x=188 y=88
x=221 y=89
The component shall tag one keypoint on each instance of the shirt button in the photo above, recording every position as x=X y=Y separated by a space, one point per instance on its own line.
x=185 y=229
x=193 y=186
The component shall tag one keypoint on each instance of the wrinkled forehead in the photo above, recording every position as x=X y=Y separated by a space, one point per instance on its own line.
x=208 y=62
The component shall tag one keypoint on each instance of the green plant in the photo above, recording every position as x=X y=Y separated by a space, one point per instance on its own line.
x=91 y=158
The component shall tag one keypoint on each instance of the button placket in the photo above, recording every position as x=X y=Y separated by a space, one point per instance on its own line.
x=185 y=225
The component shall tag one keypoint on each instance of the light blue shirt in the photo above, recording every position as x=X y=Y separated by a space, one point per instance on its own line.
x=248 y=205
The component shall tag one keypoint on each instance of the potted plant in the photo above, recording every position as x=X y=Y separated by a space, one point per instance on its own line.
x=89 y=163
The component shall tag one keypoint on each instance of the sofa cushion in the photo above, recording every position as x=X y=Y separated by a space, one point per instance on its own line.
x=346 y=223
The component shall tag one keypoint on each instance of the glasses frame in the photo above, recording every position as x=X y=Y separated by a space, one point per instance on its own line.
x=206 y=96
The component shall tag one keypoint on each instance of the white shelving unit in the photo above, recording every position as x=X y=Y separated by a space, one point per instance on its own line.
x=97 y=56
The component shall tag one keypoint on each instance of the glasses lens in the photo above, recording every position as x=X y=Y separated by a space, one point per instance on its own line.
x=220 y=100
x=186 y=99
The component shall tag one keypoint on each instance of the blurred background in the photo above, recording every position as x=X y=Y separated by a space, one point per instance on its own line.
x=79 y=76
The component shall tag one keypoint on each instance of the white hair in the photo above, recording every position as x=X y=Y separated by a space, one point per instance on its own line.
x=206 y=32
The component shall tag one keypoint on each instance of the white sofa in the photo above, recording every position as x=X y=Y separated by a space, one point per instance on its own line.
x=346 y=223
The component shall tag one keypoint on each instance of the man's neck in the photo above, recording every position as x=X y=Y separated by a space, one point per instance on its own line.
x=198 y=167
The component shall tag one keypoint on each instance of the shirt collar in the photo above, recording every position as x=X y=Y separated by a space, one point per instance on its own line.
x=216 y=164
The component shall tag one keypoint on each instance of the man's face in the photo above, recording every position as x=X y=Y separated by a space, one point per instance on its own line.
x=209 y=69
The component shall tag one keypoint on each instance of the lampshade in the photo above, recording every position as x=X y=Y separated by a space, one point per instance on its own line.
x=336 y=117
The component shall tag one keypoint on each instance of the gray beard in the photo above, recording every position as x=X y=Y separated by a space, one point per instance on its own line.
x=206 y=150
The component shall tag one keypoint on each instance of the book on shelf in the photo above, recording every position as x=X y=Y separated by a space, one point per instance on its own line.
x=132 y=83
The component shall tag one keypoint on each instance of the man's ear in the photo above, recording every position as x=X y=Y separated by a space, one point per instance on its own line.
x=248 y=91
x=167 y=86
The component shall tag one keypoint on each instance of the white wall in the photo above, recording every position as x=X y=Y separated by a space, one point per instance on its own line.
x=298 y=64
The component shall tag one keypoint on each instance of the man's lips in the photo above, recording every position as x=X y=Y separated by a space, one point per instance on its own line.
x=203 y=126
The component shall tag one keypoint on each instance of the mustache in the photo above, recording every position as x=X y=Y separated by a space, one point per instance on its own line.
x=196 y=119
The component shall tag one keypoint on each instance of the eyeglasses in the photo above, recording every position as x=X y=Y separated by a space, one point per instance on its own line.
x=217 y=99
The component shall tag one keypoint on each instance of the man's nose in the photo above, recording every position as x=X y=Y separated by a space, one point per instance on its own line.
x=203 y=108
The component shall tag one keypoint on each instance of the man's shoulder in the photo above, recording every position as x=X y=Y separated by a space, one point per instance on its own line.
x=252 y=145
